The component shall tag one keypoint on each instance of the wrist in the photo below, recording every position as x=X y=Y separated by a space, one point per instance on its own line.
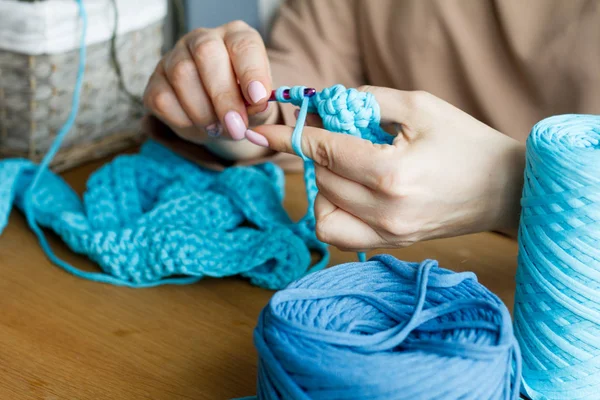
x=513 y=161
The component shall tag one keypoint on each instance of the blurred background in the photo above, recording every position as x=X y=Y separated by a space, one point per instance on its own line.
x=212 y=13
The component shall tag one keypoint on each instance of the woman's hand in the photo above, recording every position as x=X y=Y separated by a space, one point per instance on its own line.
x=194 y=88
x=446 y=174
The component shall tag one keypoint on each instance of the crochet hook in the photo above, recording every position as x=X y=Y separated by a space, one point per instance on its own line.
x=309 y=92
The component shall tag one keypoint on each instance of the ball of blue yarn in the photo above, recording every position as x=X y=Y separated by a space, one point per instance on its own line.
x=557 y=302
x=387 y=329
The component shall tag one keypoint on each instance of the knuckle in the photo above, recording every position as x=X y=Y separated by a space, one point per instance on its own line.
x=220 y=99
x=241 y=44
x=237 y=25
x=181 y=71
x=251 y=74
x=157 y=101
x=321 y=150
x=390 y=177
x=369 y=88
x=321 y=230
x=400 y=229
x=179 y=124
x=196 y=33
x=390 y=183
x=319 y=180
x=419 y=99
x=205 y=47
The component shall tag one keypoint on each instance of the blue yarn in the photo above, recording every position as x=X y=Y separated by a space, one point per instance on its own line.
x=557 y=301
x=342 y=110
x=387 y=329
x=154 y=218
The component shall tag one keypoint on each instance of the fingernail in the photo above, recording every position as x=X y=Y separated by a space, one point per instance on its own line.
x=296 y=113
x=256 y=91
x=256 y=138
x=214 y=130
x=235 y=125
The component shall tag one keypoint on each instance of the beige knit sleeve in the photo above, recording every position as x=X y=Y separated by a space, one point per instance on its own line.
x=315 y=43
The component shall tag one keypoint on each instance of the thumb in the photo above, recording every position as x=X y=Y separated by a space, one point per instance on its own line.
x=400 y=110
x=394 y=104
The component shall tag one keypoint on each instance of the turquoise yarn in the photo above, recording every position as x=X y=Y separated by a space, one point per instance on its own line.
x=342 y=110
x=557 y=301
x=387 y=329
x=153 y=218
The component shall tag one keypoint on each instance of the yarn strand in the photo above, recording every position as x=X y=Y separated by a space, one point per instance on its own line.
x=557 y=299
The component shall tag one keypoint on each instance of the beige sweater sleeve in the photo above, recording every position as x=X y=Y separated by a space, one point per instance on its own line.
x=315 y=43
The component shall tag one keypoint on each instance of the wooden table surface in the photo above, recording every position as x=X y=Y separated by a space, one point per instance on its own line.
x=62 y=337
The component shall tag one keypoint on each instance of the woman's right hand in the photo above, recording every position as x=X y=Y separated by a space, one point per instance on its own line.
x=194 y=88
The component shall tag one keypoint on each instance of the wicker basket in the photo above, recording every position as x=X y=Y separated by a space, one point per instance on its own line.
x=36 y=95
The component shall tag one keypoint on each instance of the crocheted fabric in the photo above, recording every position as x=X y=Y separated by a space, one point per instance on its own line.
x=155 y=218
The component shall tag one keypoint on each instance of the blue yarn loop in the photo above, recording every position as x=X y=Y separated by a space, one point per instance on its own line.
x=342 y=110
x=387 y=329
x=557 y=300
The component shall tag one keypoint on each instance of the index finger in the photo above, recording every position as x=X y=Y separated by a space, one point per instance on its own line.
x=249 y=60
x=351 y=157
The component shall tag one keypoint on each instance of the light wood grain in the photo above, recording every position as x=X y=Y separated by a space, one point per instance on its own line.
x=66 y=338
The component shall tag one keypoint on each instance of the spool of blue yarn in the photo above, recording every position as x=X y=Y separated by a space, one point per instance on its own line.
x=387 y=329
x=557 y=302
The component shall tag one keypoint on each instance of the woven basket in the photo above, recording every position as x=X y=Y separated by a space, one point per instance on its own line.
x=36 y=96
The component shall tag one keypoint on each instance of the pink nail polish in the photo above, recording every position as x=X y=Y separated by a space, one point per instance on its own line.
x=256 y=91
x=256 y=138
x=214 y=130
x=235 y=125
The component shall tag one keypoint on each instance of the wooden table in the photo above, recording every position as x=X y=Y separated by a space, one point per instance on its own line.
x=66 y=338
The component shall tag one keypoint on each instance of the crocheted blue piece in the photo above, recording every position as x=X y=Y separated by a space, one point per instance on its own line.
x=155 y=218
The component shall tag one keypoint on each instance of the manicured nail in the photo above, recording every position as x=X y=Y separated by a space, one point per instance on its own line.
x=257 y=138
x=256 y=91
x=235 y=125
x=214 y=130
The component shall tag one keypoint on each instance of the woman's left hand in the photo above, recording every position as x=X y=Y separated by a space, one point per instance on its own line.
x=446 y=174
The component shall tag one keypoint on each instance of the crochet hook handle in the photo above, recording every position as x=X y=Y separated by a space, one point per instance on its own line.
x=309 y=92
